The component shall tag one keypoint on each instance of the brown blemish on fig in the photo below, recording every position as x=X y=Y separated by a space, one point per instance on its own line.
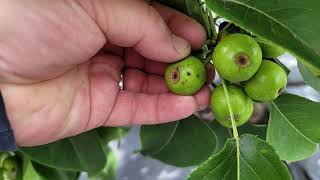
x=175 y=75
x=242 y=60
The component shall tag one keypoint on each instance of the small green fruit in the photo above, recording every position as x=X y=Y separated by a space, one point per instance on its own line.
x=223 y=34
x=267 y=83
x=185 y=77
x=10 y=164
x=237 y=57
x=2 y=174
x=271 y=51
x=241 y=104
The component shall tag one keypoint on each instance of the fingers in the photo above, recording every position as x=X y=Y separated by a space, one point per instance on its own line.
x=137 y=108
x=180 y=24
x=112 y=49
x=135 y=60
x=104 y=77
x=128 y=23
x=138 y=81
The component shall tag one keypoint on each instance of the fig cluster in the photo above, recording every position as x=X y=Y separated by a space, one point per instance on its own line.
x=239 y=59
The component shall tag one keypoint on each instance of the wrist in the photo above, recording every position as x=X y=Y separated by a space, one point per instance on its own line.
x=7 y=141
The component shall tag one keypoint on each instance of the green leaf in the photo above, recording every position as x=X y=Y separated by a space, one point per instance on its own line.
x=258 y=161
x=79 y=153
x=292 y=25
x=107 y=134
x=309 y=77
x=109 y=171
x=48 y=173
x=2 y=174
x=196 y=11
x=183 y=143
x=294 y=127
x=29 y=173
x=224 y=133
x=258 y=130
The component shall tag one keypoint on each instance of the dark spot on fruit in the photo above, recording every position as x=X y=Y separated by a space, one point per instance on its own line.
x=188 y=73
x=236 y=118
x=175 y=75
x=242 y=60
x=198 y=75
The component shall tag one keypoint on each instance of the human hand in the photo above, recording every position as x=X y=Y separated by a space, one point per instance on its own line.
x=61 y=61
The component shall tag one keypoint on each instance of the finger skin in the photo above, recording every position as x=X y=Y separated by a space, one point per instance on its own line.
x=44 y=39
x=60 y=66
x=138 y=108
x=140 y=82
x=180 y=24
x=153 y=38
x=134 y=60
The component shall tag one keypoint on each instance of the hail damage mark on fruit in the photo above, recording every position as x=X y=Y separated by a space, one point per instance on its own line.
x=175 y=75
x=242 y=60
x=188 y=73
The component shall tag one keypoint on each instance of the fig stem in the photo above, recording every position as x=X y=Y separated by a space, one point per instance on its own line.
x=224 y=29
x=234 y=127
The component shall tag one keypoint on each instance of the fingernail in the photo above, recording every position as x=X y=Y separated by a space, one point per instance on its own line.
x=181 y=46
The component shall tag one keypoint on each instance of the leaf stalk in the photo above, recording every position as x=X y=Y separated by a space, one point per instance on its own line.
x=234 y=127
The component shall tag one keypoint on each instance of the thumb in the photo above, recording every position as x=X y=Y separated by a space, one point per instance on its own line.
x=136 y=24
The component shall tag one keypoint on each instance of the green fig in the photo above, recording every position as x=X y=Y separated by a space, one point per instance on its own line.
x=10 y=164
x=185 y=77
x=237 y=57
x=267 y=83
x=241 y=104
x=271 y=51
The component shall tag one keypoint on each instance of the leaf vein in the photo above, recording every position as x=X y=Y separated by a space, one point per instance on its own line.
x=250 y=167
x=299 y=132
x=169 y=139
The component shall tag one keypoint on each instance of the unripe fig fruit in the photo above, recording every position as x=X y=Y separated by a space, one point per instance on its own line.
x=271 y=51
x=237 y=57
x=241 y=104
x=2 y=174
x=10 y=164
x=185 y=77
x=267 y=83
